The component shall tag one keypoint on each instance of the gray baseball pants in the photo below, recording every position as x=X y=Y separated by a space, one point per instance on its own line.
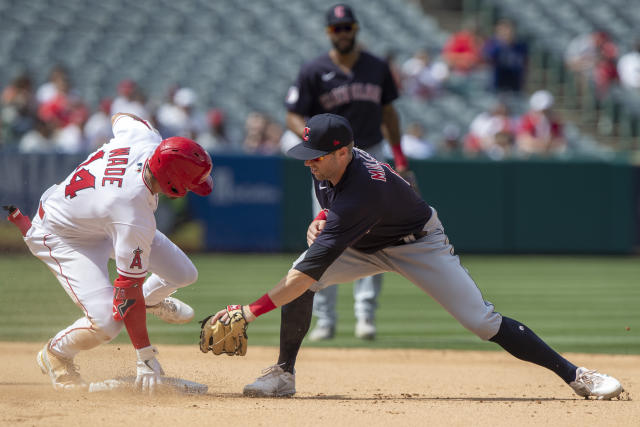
x=430 y=264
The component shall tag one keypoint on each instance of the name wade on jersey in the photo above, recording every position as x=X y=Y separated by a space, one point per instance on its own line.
x=117 y=157
x=347 y=93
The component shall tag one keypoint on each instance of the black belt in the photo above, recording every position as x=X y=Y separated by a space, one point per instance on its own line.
x=410 y=238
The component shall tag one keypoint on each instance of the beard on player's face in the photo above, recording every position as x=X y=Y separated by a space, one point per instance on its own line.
x=344 y=45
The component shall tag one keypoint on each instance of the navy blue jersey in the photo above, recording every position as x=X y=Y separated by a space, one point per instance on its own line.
x=322 y=87
x=371 y=208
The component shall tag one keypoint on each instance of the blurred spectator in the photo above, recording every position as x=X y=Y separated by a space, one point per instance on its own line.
x=262 y=135
x=215 y=138
x=592 y=57
x=97 y=130
x=507 y=57
x=540 y=131
x=491 y=133
x=463 y=50
x=422 y=77
x=17 y=109
x=58 y=77
x=414 y=144
x=629 y=68
x=450 y=146
x=70 y=138
x=130 y=99
x=180 y=117
x=66 y=113
x=39 y=139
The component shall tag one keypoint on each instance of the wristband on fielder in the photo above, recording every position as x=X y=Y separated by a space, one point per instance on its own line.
x=262 y=305
x=322 y=215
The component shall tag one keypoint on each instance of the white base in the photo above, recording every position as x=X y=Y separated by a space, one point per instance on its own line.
x=169 y=384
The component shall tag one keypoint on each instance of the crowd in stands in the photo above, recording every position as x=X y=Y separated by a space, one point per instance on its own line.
x=497 y=133
x=53 y=117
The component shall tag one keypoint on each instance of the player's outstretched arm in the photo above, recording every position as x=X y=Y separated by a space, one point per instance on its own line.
x=225 y=331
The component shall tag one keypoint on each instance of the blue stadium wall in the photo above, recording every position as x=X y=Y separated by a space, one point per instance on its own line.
x=263 y=204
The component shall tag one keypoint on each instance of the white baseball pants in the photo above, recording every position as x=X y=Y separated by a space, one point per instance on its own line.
x=81 y=267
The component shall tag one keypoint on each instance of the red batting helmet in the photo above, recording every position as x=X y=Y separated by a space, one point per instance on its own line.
x=180 y=164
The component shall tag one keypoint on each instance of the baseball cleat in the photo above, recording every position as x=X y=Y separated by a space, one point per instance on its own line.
x=320 y=333
x=172 y=310
x=273 y=383
x=63 y=372
x=592 y=383
x=365 y=329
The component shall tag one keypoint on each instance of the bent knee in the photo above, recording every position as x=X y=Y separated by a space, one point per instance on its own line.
x=189 y=275
x=485 y=327
x=106 y=327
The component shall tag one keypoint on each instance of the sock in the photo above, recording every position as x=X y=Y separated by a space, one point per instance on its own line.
x=524 y=344
x=295 y=320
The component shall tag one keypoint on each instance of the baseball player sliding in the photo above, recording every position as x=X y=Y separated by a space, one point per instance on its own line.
x=105 y=209
x=374 y=222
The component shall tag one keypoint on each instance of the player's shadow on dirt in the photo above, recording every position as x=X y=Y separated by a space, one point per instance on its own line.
x=427 y=398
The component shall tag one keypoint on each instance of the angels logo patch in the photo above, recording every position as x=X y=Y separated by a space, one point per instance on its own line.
x=137 y=261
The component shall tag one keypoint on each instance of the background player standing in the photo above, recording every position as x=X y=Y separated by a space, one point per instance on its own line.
x=105 y=209
x=353 y=83
x=374 y=222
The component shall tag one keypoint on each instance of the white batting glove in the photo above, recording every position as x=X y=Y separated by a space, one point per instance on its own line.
x=149 y=370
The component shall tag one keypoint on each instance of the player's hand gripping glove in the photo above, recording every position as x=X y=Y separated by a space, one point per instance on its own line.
x=228 y=337
x=149 y=370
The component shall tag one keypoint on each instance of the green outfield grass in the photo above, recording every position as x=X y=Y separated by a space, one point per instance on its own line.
x=582 y=304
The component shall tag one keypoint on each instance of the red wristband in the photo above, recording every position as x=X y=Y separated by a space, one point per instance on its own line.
x=322 y=215
x=262 y=305
x=398 y=157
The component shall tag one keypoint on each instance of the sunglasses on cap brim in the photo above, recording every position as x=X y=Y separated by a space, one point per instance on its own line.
x=341 y=28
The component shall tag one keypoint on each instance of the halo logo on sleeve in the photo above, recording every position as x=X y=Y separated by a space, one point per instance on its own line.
x=137 y=261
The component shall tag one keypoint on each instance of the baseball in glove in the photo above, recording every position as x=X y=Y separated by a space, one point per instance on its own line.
x=229 y=338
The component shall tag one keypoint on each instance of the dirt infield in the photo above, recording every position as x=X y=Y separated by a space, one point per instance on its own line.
x=337 y=387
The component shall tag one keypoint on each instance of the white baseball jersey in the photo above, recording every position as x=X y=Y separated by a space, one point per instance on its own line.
x=106 y=197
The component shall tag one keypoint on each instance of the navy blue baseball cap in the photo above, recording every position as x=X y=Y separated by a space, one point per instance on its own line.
x=324 y=134
x=340 y=14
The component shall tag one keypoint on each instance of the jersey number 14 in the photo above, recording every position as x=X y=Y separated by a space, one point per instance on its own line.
x=82 y=178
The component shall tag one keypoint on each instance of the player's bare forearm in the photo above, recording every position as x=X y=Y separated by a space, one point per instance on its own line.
x=290 y=287
x=294 y=284
x=295 y=123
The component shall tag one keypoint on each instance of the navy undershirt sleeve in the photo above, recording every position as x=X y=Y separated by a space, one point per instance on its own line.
x=316 y=260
